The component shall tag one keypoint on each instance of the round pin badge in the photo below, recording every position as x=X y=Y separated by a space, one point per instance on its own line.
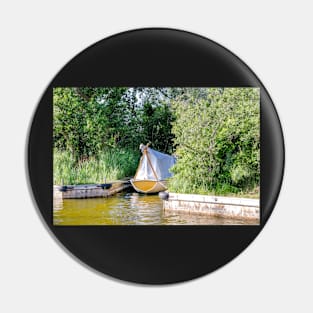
x=155 y=156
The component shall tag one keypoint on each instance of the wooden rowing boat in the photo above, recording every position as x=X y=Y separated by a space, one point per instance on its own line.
x=152 y=171
x=149 y=186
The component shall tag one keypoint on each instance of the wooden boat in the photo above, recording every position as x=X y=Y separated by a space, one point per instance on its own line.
x=149 y=186
x=152 y=171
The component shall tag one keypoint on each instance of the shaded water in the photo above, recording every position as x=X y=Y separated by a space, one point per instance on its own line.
x=126 y=208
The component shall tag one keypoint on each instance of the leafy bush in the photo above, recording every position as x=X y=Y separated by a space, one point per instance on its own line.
x=217 y=138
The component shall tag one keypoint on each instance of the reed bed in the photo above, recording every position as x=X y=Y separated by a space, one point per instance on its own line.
x=108 y=165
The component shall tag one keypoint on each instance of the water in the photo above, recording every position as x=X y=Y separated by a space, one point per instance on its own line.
x=127 y=208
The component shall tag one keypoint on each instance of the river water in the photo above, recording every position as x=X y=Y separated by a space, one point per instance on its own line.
x=127 y=208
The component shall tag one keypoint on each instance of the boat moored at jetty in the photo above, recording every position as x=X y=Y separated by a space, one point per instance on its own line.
x=153 y=171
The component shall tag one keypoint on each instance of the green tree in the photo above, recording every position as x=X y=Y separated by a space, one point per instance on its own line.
x=156 y=124
x=217 y=138
x=90 y=120
x=83 y=121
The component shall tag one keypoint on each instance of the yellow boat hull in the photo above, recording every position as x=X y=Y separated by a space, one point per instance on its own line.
x=149 y=186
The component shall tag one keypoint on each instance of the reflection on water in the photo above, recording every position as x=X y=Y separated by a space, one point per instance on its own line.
x=126 y=208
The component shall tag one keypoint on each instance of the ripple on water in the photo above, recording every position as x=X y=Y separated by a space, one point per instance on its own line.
x=127 y=208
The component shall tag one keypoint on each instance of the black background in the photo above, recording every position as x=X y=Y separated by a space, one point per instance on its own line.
x=155 y=254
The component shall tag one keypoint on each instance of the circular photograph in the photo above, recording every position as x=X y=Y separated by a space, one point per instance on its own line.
x=155 y=156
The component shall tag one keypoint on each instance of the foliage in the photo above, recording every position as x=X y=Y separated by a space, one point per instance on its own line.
x=213 y=131
x=97 y=131
x=81 y=119
x=110 y=165
x=150 y=118
x=89 y=120
x=217 y=138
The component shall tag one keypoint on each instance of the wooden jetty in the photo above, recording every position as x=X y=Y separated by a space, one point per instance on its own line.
x=89 y=190
x=227 y=207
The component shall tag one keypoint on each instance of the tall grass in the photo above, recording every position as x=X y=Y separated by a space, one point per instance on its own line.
x=110 y=165
x=184 y=186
